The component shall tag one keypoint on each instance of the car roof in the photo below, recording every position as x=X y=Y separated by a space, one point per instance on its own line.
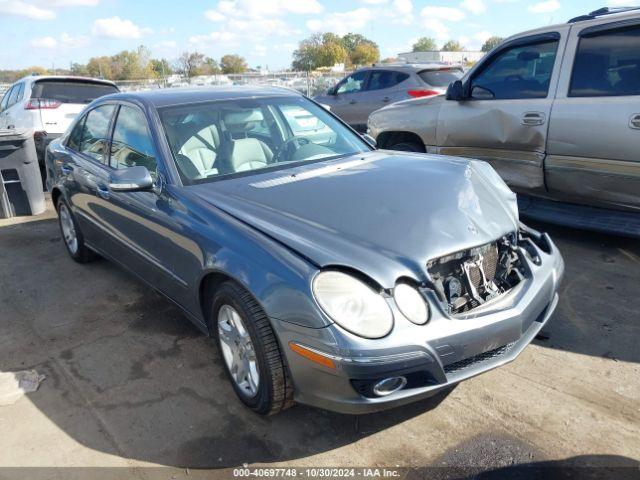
x=37 y=78
x=414 y=67
x=180 y=96
x=598 y=20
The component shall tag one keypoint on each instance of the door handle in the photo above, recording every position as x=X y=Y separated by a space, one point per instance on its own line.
x=532 y=119
x=386 y=99
x=634 y=121
x=66 y=169
x=353 y=102
x=103 y=192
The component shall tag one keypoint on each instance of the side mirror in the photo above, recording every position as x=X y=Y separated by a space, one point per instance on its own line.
x=132 y=179
x=333 y=91
x=369 y=139
x=455 y=91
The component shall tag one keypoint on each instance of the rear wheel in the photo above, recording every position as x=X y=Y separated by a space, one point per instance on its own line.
x=72 y=235
x=250 y=351
x=407 y=147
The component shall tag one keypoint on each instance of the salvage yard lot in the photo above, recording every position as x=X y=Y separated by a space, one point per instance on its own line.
x=130 y=382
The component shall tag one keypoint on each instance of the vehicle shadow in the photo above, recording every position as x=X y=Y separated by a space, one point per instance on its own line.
x=599 y=298
x=127 y=374
x=584 y=467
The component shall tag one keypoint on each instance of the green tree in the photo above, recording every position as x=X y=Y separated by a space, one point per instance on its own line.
x=79 y=70
x=319 y=50
x=211 y=66
x=491 y=43
x=452 y=46
x=365 y=54
x=425 y=44
x=160 y=67
x=233 y=64
x=100 y=67
x=189 y=63
x=360 y=49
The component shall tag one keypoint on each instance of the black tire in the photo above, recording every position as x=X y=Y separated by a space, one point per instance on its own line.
x=275 y=389
x=407 y=147
x=82 y=253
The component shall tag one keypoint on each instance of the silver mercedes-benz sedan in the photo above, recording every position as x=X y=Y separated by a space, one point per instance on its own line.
x=328 y=272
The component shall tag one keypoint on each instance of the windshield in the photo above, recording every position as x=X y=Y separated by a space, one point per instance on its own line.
x=228 y=137
x=440 y=78
x=71 y=91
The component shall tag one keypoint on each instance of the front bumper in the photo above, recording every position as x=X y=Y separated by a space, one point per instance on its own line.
x=432 y=357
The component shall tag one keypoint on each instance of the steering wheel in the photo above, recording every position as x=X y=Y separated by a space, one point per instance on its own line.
x=295 y=142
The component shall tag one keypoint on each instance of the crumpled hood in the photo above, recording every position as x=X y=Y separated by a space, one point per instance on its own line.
x=382 y=214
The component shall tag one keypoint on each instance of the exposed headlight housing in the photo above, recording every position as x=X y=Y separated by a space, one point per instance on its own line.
x=411 y=303
x=352 y=304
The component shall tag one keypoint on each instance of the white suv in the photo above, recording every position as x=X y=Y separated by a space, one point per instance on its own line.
x=48 y=104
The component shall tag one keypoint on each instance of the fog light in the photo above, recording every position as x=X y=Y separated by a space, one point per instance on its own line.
x=389 y=385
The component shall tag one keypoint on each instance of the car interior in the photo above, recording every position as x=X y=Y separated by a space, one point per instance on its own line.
x=234 y=138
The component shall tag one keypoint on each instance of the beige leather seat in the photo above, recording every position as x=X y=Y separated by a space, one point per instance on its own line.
x=201 y=150
x=249 y=154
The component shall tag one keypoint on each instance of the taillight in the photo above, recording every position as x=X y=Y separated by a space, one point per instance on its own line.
x=41 y=104
x=422 y=93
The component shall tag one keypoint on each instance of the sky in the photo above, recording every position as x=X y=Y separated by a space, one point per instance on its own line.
x=265 y=32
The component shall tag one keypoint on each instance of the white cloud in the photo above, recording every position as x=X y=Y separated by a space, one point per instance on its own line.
x=443 y=13
x=16 y=7
x=374 y=2
x=623 y=3
x=72 y=3
x=436 y=27
x=403 y=7
x=63 y=41
x=258 y=9
x=214 y=16
x=116 y=27
x=544 y=7
x=342 y=22
x=44 y=42
x=474 y=6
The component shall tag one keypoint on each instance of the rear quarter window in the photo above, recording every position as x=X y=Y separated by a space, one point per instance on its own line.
x=70 y=91
x=440 y=78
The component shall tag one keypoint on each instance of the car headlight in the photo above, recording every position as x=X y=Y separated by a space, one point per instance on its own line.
x=411 y=304
x=352 y=304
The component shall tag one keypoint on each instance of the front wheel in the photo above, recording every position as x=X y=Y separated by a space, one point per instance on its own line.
x=72 y=235
x=250 y=351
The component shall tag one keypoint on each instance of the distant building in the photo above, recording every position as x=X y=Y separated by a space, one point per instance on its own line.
x=444 y=57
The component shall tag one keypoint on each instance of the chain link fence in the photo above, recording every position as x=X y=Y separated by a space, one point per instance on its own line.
x=308 y=84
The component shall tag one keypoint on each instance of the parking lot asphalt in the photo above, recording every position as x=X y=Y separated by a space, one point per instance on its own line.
x=131 y=383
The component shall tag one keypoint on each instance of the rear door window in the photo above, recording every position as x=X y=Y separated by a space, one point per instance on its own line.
x=607 y=64
x=382 y=79
x=70 y=91
x=75 y=137
x=132 y=144
x=440 y=78
x=95 y=135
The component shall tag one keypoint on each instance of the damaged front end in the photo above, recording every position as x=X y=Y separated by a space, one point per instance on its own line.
x=469 y=278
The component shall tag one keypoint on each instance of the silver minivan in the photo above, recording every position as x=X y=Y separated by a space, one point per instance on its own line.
x=556 y=111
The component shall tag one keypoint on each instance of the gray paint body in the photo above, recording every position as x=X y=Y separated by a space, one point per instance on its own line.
x=383 y=214
x=585 y=150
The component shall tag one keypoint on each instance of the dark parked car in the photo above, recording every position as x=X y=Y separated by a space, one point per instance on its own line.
x=328 y=272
